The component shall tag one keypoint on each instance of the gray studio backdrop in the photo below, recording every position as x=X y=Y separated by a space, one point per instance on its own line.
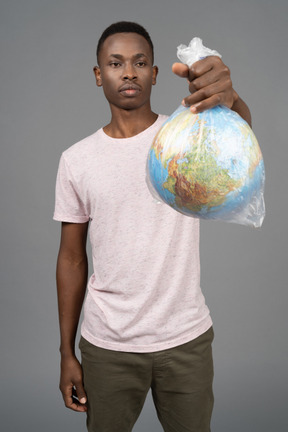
x=48 y=102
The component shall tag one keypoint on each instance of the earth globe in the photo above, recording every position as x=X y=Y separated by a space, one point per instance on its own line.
x=208 y=165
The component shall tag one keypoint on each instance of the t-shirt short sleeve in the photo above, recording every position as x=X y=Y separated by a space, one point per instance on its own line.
x=69 y=206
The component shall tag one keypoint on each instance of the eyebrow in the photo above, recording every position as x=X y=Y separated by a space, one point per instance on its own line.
x=136 y=56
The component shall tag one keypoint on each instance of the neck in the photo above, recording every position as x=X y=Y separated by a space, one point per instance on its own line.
x=128 y=123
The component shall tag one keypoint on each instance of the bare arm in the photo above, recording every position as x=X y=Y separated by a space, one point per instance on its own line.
x=72 y=272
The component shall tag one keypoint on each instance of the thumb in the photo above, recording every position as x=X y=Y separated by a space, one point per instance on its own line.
x=81 y=395
x=180 y=69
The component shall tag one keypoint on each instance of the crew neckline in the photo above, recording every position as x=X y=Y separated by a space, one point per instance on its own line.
x=159 y=119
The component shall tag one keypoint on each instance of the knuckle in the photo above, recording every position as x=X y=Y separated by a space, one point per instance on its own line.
x=218 y=99
x=193 y=69
x=227 y=75
x=192 y=88
x=229 y=81
x=226 y=70
x=216 y=61
x=195 y=85
x=226 y=84
x=205 y=93
x=229 y=90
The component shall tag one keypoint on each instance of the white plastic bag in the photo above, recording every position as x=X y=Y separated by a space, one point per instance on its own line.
x=208 y=165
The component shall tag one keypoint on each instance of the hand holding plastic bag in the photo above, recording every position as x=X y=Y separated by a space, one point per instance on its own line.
x=208 y=165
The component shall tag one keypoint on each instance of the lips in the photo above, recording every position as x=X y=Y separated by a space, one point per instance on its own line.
x=130 y=89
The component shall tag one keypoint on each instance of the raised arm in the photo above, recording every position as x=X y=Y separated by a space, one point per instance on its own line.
x=72 y=273
x=210 y=85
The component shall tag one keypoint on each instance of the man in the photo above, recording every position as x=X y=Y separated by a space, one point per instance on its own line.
x=146 y=324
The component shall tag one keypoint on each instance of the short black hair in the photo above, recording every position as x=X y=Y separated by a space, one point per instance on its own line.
x=124 y=27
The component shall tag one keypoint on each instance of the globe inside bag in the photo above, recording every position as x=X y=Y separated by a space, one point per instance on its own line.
x=208 y=165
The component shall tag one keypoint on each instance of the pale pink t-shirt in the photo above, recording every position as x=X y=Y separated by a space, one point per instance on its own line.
x=144 y=294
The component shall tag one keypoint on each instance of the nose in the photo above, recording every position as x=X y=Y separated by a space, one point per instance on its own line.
x=129 y=73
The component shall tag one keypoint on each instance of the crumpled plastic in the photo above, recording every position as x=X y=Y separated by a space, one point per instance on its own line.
x=207 y=165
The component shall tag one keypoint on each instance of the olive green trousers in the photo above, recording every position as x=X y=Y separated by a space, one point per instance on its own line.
x=180 y=380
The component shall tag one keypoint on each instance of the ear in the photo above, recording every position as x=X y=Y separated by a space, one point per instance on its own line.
x=97 y=74
x=154 y=74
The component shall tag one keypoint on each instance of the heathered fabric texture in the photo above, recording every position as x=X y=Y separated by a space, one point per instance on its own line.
x=144 y=294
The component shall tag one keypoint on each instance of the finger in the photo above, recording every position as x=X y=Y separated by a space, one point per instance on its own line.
x=79 y=392
x=206 y=104
x=204 y=87
x=192 y=72
x=72 y=403
x=220 y=79
x=205 y=65
x=180 y=69
x=219 y=88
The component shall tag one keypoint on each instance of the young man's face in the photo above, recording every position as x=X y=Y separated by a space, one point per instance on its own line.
x=126 y=71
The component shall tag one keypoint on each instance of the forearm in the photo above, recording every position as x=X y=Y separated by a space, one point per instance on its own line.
x=242 y=109
x=71 y=287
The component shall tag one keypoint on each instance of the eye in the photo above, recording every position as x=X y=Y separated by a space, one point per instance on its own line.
x=141 y=64
x=115 y=64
